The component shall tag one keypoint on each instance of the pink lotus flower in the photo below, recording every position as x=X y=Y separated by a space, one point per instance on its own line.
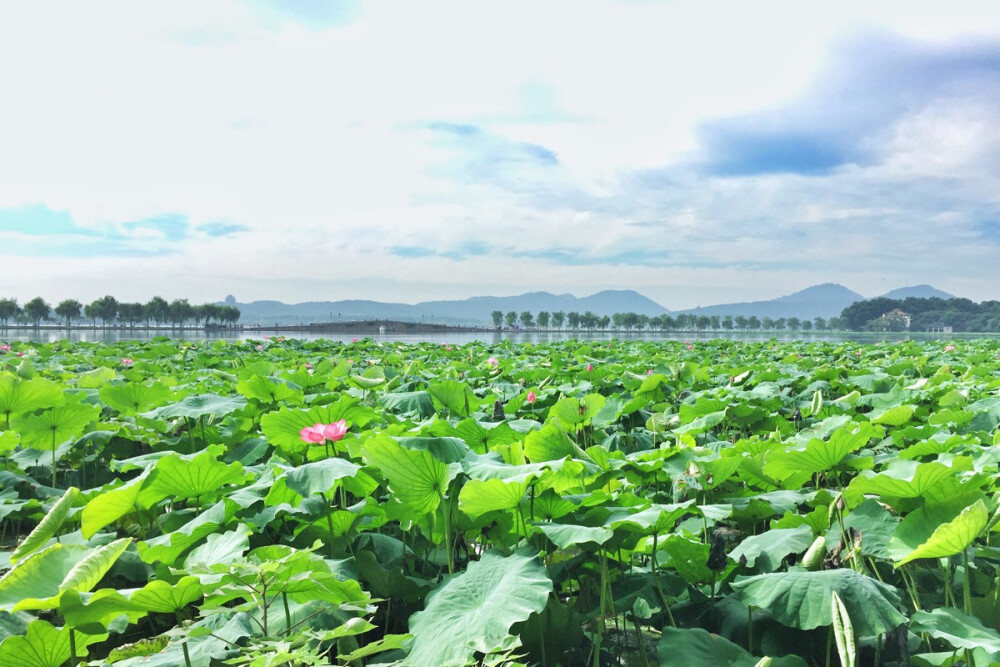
x=690 y=346
x=267 y=337
x=531 y=398
x=590 y=367
x=308 y=365
x=354 y=340
x=492 y=361
x=4 y=349
x=20 y=354
x=649 y=371
x=127 y=361
x=260 y=347
x=323 y=432
x=949 y=348
x=447 y=348
x=857 y=353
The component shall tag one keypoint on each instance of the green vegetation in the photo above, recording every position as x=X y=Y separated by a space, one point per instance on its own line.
x=110 y=311
x=286 y=502
x=679 y=322
x=884 y=314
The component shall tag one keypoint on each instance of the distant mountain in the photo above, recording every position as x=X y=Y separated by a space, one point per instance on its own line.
x=918 y=292
x=476 y=310
x=827 y=300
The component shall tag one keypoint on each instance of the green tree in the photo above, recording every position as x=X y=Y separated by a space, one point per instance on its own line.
x=543 y=319
x=819 y=324
x=37 y=310
x=794 y=323
x=527 y=319
x=158 y=310
x=105 y=308
x=180 y=311
x=753 y=323
x=780 y=323
x=714 y=322
x=8 y=309
x=727 y=322
x=558 y=318
x=510 y=318
x=741 y=322
x=807 y=325
x=130 y=313
x=69 y=309
x=604 y=322
x=767 y=323
x=588 y=320
x=497 y=318
x=573 y=319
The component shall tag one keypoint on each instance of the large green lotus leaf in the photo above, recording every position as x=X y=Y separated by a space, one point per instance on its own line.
x=574 y=412
x=901 y=479
x=161 y=597
x=8 y=441
x=894 y=416
x=269 y=390
x=88 y=572
x=876 y=525
x=482 y=437
x=133 y=398
x=766 y=551
x=109 y=506
x=17 y=396
x=457 y=397
x=493 y=466
x=220 y=549
x=415 y=477
x=688 y=557
x=819 y=455
x=319 y=477
x=954 y=627
x=700 y=647
x=655 y=520
x=550 y=443
x=55 y=425
x=446 y=450
x=570 y=535
x=102 y=607
x=418 y=403
x=176 y=477
x=323 y=587
x=43 y=646
x=35 y=582
x=802 y=599
x=199 y=405
x=281 y=427
x=478 y=497
x=912 y=541
x=95 y=378
x=474 y=610
x=168 y=548
x=48 y=526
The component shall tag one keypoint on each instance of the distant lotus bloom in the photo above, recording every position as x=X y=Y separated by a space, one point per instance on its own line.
x=4 y=349
x=492 y=361
x=260 y=347
x=308 y=365
x=857 y=353
x=354 y=340
x=267 y=337
x=447 y=348
x=127 y=361
x=690 y=346
x=531 y=398
x=20 y=354
x=949 y=348
x=649 y=371
x=590 y=367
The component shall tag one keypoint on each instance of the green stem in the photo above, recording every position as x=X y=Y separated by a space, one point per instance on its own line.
x=288 y=614
x=53 y=459
x=750 y=629
x=966 y=584
x=72 y=647
x=187 y=656
x=656 y=583
x=446 y=511
x=329 y=522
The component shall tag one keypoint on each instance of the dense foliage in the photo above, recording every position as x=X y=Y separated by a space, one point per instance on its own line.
x=960 y=314
x=285 y=502
x=110 y=311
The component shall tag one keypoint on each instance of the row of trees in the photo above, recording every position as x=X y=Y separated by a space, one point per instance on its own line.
x=110 y=312
x=923 y=314
x=679 y=322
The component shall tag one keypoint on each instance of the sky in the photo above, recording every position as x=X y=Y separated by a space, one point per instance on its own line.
x=697 y=152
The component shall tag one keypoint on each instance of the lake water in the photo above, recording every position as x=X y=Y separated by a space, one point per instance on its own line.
x=48 y=335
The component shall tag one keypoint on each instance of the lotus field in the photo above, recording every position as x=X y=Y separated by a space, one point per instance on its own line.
x=286 y=502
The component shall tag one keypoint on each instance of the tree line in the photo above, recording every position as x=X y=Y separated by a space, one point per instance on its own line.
x=112 y=312
x=880 y=314
x=680 y=322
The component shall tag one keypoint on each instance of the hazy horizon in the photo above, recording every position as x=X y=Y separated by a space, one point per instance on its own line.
x=697 y=153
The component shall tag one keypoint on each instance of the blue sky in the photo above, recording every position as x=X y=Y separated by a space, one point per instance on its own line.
x=695 y=151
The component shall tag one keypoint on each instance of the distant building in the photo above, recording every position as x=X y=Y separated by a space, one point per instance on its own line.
x=940 y=327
